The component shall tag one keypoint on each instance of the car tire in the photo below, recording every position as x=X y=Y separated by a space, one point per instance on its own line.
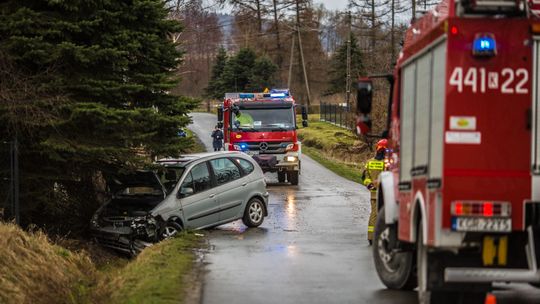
x=292 y=177
x=281 y=176
x=395 y=269
x=170 y=230
x=254 y=213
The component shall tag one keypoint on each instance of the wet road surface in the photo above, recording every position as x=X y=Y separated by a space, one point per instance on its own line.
x=311 y=248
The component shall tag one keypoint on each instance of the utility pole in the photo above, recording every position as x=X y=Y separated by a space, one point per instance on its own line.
x=413 y=10
x=303 y=66
x=348 y=78
x=373 y=26
x=302 y=51
x=291 y=61
x=392 y=33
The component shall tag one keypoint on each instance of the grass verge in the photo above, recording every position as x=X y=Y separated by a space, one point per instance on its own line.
x=158 y=273
x=34 y=270
x=337 y=149
x=348 y=171
x=198 y=146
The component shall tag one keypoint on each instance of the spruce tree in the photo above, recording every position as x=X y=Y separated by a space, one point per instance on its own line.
x=215 y=88
x=263 y=74
x=338 y=71
x=238 y=70
x=113 y=63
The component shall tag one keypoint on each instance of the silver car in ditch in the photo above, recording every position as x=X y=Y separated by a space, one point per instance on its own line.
x=192 y=192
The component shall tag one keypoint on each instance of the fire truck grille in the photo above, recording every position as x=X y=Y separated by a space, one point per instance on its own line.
x=265 y=147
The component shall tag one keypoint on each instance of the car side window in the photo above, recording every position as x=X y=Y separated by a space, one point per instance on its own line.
x=225 y=170
x=247 y=166
x=186 y=189
x=201 y=178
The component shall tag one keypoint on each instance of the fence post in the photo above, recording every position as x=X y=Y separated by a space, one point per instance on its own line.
x=340 y=116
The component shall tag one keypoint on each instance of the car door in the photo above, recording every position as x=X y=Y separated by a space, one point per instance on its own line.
x=230 y=188
x=198 y=198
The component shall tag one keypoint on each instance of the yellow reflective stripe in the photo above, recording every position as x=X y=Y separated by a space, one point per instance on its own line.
x=502 y=252
x=488 y=251
x=376 y=165
x=370 y=228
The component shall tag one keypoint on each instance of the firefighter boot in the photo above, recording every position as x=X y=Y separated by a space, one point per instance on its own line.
x=372 y=220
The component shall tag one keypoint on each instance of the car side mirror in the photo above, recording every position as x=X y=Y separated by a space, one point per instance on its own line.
x=184 y=192
x=364 y=96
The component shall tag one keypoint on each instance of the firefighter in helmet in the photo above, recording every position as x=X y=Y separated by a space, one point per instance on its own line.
x=370 y=177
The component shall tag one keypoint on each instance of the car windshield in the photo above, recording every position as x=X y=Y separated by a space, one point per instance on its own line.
x=169 y=176
x=280 y=119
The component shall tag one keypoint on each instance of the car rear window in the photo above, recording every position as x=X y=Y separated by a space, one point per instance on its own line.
x=225 y=170
x=246 y=165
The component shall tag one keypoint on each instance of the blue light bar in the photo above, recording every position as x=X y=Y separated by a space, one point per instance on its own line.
x=484 y=45
x=243 y=146
x=246 y=95
x=282 y=93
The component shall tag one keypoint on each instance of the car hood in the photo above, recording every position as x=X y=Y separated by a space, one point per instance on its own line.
x=141 y=178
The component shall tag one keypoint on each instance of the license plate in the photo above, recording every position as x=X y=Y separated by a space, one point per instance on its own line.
x=251 y=153
x=482 y=224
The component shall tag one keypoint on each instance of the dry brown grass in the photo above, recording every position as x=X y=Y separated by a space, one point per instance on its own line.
x=33 y=270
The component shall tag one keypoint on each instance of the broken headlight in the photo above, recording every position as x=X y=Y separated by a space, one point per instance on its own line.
x=144 y=226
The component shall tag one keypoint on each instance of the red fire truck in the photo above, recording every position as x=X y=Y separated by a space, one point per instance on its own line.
x=263 y=125
x=459 y=207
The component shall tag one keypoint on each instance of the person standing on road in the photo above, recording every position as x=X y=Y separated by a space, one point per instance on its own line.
x=370 y=178
x=217 y=136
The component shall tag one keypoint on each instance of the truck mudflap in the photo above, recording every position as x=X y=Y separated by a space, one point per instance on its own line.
x=486 y=275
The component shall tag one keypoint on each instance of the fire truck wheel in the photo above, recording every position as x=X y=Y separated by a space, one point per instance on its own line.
x=292 y=177
x=281 y=176
x=395 y=269
x=427 y=273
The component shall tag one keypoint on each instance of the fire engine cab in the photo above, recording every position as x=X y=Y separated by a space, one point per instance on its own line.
x=263 y=125
x=459 y=207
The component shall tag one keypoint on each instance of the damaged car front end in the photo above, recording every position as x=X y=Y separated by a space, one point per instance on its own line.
x=125 y=222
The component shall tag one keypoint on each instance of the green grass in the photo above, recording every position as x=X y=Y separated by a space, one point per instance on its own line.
x=158 y=275
x=342 y=169
x=198 y=146
x=337 y=149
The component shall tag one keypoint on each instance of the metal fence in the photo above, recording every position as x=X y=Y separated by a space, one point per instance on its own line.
x=338 y=115
x=9 y=194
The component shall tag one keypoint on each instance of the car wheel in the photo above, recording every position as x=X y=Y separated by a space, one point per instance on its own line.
x=281 y=176
x=170 y=230
x=292 y=176
x=395 y=269
x=254 y=213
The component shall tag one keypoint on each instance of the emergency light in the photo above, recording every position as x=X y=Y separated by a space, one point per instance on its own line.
x=246 y=95
x=484 y=45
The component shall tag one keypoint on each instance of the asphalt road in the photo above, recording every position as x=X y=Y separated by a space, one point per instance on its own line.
x=311 y=248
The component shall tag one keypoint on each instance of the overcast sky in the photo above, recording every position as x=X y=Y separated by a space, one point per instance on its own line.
x=333 y=4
